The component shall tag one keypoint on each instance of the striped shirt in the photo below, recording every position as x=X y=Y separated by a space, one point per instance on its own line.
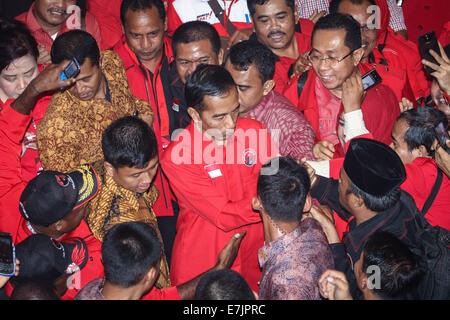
x=288 y=127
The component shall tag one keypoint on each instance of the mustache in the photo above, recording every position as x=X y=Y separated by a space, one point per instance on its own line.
x=275 y=32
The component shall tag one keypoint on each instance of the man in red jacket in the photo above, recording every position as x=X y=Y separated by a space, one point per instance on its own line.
x=213 y=168
x=335 y=56
x=376 y=55
x=46 y=209
x=47 y=19
x=384 y=50
x=274 y=22
x=146 y=53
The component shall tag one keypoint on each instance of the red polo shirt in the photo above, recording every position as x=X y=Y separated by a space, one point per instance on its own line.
x=214 y=186
x=43 y=38
x=12 y=128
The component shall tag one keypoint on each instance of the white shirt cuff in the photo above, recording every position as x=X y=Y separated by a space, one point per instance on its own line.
x=354 y=125
x=322 y=168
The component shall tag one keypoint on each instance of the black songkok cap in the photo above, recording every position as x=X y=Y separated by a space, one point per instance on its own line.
x=373 y=166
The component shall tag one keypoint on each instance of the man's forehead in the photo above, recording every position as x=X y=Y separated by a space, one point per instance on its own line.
x=143 y=17
x=271 y=7
x=328 y=40
x=195 y=49
x=224 y=103
x=359 y=12
x=133 y=170
x=243 y=76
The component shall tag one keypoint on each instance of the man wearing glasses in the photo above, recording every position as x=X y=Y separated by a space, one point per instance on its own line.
x=335 y=80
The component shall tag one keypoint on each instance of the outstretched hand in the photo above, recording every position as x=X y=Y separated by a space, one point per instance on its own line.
x=230 y=251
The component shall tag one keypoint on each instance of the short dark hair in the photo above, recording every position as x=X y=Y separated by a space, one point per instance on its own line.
x=246 y=53
x=16 y=41
x=283 y=194
x=129 y=251
x=400 y=268
x=251 y=5
x=422 y=122
x=373 y=202
x=207 y=80
x=129 y=142
x=138 y=5
x=223 y=284
x=339 y=21
x=34 y=289
x=334 y=4
x=77 y=44
x=193 y=31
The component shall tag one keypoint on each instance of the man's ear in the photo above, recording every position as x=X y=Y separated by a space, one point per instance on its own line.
x=357 y=201
x=194 y=114
x=357 y=56
x=257 y=204
x=165 y=25
x=220 y=56
x=110 y=170
x=268 y=86
x=421 y=151
x=58 y=225
x=152 y=274
x=296 y=15
x=308 y=203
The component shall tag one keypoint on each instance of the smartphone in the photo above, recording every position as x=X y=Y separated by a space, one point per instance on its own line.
x=71 y=71
x=370 y=79
x=426 y=42
x=442 y=136
x=7 y=255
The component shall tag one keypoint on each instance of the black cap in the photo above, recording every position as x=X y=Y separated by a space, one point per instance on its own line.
x=52 y=195
x=47 y=259
x=373 y=166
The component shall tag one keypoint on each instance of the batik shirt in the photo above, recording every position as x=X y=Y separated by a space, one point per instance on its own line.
x=292 y=264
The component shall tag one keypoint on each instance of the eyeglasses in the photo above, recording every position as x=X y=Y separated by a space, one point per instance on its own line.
x=331 y=61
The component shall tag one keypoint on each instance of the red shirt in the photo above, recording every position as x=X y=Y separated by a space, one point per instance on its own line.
x=396 y=79
x=214 y=186
x=400 y=53
x=420 y=177
x=43 y=38
x=107 y=14
x=162 y=294
x=12 y=128
x=380 y=107
x=444 y=37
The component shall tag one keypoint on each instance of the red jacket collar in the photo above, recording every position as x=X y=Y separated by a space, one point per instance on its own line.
x=129 y=58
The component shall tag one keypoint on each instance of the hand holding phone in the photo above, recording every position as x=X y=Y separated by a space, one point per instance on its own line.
x=71 y=71
x=370 y=79
x=7 y=255
x=426 y=42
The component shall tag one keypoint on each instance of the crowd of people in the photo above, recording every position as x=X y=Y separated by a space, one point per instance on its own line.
x=223 y=150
